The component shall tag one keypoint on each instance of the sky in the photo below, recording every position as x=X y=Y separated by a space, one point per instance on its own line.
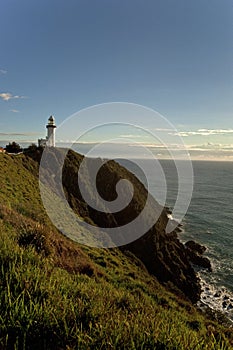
x=176 y=57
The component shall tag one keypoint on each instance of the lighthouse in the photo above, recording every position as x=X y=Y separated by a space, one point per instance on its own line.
x=49 y=141
x=51 y=132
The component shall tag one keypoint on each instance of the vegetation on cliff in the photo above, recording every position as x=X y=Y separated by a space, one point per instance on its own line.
x=58 y=294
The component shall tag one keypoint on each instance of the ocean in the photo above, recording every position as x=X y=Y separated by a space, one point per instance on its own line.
x=209 y=221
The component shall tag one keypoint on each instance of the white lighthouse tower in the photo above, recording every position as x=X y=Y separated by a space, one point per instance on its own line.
x=50 y=138
x=51 y=132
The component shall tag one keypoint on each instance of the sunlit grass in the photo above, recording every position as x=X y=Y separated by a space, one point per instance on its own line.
x=56 y=294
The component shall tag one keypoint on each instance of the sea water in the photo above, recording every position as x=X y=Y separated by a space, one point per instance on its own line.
x=209 y=221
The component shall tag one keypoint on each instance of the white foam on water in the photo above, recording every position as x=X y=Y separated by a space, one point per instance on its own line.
x=217 y=298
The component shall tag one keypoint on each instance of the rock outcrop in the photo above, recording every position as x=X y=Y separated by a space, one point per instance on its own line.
x=194 y=252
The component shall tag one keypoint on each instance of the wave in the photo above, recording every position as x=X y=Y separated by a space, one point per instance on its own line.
x=216 y=298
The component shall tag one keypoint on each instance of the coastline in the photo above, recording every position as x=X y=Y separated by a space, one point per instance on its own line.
x=214 y=300
x=218 y=299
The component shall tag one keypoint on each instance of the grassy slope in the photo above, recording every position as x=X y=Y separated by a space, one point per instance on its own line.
x=56 y=294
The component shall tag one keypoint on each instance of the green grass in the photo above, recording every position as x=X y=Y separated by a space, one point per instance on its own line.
x=57 y=294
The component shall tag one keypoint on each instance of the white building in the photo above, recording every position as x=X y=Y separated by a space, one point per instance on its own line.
x=50 y=138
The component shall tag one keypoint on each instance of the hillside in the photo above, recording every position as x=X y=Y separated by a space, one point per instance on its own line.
x=58 y=294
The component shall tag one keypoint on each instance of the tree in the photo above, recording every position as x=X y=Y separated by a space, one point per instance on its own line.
x=32 y=148
x=13 y=147
x=34 y=152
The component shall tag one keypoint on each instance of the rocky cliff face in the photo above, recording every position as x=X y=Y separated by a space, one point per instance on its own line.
x=163 y=254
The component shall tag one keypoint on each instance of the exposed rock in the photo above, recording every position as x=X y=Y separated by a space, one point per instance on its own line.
x=166 y=258
x=200 y=261
x=224 y=304
x=196 y=247
x=194 y=252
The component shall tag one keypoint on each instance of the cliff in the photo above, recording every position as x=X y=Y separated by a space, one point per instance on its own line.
x=163 y=254
x=58 y=294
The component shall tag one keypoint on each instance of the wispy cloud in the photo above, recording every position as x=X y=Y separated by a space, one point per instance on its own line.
x=6 y=96
x=3 y=71
x=161 y=129
x=131 y=136
x=18 y=133
x=206 y=151
x=14 y=110
x=203 y=132
x=211 y=146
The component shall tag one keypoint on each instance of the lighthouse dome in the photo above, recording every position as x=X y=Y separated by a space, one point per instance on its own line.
x=51 y=118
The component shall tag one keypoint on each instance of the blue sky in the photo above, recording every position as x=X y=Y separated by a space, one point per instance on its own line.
x=57 y=57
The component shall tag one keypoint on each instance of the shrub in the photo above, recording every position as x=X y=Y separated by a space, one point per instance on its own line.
x=34 y=236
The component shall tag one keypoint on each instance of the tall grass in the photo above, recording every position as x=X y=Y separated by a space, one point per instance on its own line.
x=45 y=307
x=56 y=294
